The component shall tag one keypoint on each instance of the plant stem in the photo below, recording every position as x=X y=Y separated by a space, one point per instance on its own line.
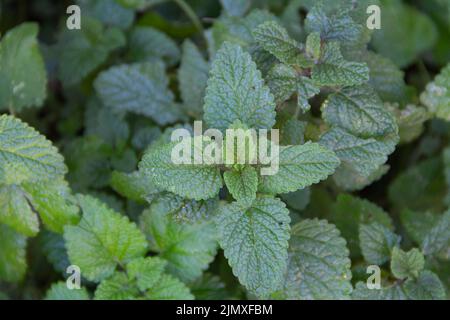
x=192 y=16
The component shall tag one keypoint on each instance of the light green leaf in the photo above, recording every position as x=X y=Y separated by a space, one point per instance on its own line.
x=188 y=248
x=16 y=212
x=333 y=70
x=236 y=91
x=117 y=287
x=306 y=89
x=255 y=242
x=411 y=120
x=109 y=12
x=149 y=44
x=194 y=181
x=313 y=45
x=135 y=186
x=59 y=291
x=406 y=264
x=436 y=96
x=25 y=155
x=146 y=271
x=82 y=51
x=192 y=77
x=376 y=242
x=169 y=288
x=13 y=264
x=52 y=202
x=299 y=167
x=242 y=184
x=102 y=239
x=20 y=57
x=138 y=88
x=319 y=267
x=275 y=39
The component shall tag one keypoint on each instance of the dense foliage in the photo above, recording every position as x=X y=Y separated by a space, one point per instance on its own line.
x=87 y=179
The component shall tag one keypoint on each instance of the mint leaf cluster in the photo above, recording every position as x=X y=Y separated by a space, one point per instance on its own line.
x=344 y=167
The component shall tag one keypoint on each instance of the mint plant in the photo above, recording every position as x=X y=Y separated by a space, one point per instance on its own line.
x=225 y=150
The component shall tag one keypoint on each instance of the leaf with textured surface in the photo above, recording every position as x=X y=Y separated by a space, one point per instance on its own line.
x=438 y=238
x=20 y=57
x=255 y=242
x=13 y=264
x=54 y=248
x=194 y=181
x=236 y=8
x=102 y=239
x=188 y=248
x=319 y=267
x=117 y=287
x=242 y=184
x=146 y=271
x=299 y=167
x=437 y=95
x=376 y=242
x=360 y=111
x=16 y=212
x=138 y=88
x=236 y=91
x=192 y=77
x=52 y=202
x=169 y=288
x=406 y=264
x=276 y=40
x=109 y=12
x=25 y=155
x=59 y=291
x=333 y=70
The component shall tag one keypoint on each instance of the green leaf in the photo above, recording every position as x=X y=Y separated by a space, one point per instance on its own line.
x=117 y=287
x=20 y=57
x=297 y=200
x=187 y=248
x=313 y=45
x=16 y=212
x=405 y=33
x=102 y=239
x=360 y=111
x=282 y=81
x=299 y=167
x=376 y=242
x=242 y=184
x=418 y=224
x=169 y=288
x=306 y=89
x=362 y=155
x=436 y=96
x=411 y=121
x=59 y=291
x=275 y=39
x=293 y=132
x=236 y=91
x=149 y=44
x=146 y=271
x=349 y=212
x=52 y=201
x=135 y=186
x=209 y=287
x=194 y=181
x=406 y=264
x=236 y=8
x=25 y=155
x=82 y=51
x=193 y=76
x=54 y=248
x=336 y=26
x=13 y=263
x=138 y=88
x=319 y=267
x=109 y=12
x=255 y=242
x=438 y=238
x=333 y=70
